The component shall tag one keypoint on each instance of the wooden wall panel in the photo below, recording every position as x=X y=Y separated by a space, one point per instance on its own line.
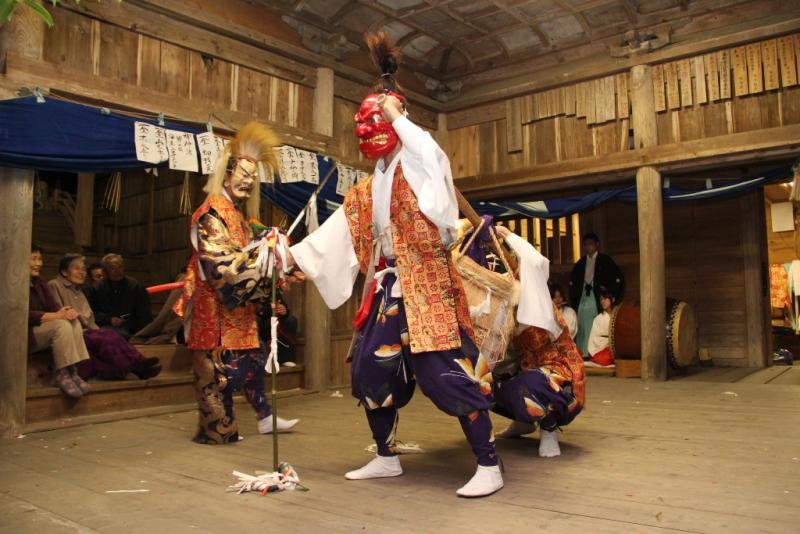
x=69 y=41
x=118 y=54
x=715 y=120
x=692 y=123
x=343 y=129
x=210 y=80
x=542 y=144
x=607 y=138
x=790 y=105
x=463 y=153
x=703 y=267
x=488 y=147
x=305 y=108
x=148 y=68
x=576 y=138
x=174 y=78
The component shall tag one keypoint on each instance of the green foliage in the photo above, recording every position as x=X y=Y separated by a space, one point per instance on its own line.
x=7 y=8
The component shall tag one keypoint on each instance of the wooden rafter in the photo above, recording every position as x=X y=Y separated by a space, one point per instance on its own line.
x=630 y=10
x=342 y=12
x=436 y=37
x=566 y=6
x=529 y=23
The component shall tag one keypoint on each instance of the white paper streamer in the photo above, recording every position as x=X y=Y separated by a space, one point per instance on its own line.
x=272 y=359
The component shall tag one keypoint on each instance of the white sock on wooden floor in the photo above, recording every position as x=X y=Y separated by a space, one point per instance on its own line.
x=485 y=481
x=378 y=467
x=548 y=444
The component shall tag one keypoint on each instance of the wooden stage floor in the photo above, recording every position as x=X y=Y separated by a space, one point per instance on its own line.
x=687 y=456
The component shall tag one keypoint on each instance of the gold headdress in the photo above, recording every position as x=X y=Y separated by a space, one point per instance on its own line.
x=254 y=142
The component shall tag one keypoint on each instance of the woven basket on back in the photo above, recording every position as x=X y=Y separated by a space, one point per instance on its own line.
x=492 y=299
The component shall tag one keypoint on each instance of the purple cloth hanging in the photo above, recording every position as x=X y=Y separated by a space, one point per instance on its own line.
x=477 y=250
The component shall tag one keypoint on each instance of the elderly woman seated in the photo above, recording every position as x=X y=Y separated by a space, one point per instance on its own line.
x=56 y=327
x=112 y=357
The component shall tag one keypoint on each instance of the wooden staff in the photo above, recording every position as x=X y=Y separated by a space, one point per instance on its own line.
x=475 y=219
x=274 y=382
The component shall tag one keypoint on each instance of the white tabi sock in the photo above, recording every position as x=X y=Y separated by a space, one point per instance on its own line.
x=265 y=425
x=548 y=444
x=378 y=467
x=485 y=481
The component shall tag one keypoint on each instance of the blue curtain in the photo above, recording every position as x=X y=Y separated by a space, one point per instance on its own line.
x=63 y=136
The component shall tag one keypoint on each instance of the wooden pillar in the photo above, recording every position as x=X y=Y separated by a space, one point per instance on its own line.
x=16 y=221
x=23 y=34
x=756 y=288
x=651 y=229
x=84 y=209
x=651 y=279
x=317 y=328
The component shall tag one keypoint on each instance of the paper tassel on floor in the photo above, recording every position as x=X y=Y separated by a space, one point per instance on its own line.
x=400 y=447
x=285 y=478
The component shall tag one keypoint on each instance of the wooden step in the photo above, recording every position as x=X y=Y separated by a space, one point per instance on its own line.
x=599 y=371
x=48 y=408
x=174 y=358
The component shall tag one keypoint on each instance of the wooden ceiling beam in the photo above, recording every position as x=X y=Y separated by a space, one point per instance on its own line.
x=407 y=38
x=587 y=30
x=721 y=150
x=544 y=39
x=380 y=8
x=414 y=10
x=656 y=21
x=600 y=65
x=630 y=10
x=342 y=12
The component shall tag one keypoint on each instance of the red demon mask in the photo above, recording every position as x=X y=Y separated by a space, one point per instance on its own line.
x=377 y=136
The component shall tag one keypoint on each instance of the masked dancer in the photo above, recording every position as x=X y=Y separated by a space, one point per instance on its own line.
x=222 y=287
x=543 y=383
x=413 y=326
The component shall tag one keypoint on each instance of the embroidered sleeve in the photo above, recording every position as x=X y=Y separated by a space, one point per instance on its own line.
x=229 y=270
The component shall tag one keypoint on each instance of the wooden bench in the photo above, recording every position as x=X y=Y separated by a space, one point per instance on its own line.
x=171 y=391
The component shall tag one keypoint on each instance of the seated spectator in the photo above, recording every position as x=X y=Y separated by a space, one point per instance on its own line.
x=599 y=351
x=111 y=357
x=57 y=328
x=167 y=327
x=287 y=329
x=569 y=315
x=96 y=274
x=119 y=302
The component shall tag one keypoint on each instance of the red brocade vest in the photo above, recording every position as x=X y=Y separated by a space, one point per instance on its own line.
x=433 y=296
x=211 y=324
x=536 y=350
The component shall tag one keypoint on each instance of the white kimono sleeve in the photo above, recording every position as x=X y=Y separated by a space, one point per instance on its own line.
x=598 y=338
x=328 y=259
x=535 y=305
x=427 y=171
x=571 y=318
